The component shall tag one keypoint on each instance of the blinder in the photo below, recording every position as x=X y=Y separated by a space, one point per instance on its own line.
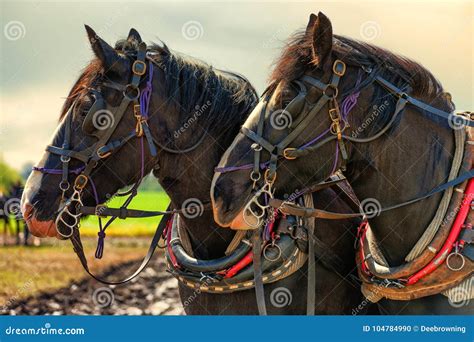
x=99 y=106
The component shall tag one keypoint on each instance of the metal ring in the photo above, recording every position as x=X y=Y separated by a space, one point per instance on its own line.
x=265 y=252
x=133 y=88
x=463 y=262
x=64 y=185
x=335 y=90
x=65 y=159
x=253 y=177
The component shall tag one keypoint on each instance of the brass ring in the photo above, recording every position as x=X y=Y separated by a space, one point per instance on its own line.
x=267 y=171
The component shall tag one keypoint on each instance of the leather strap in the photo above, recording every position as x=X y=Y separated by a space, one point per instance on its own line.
x=79 y=250
x=124 y=213
x=398 y=92
x=257 y=272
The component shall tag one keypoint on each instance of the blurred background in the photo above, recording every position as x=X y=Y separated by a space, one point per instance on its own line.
x=44 y=47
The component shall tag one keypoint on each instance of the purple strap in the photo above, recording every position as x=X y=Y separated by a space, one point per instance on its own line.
x=347 y=105
x=57 y=171
x=145 y=94
x=237 y=168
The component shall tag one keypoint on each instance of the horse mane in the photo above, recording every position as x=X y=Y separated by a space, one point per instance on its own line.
x=89 y=74
x=296 y=58
x=188 y=82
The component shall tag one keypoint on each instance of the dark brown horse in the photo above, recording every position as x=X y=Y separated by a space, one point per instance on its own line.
x=409 y=159
x=190 y=100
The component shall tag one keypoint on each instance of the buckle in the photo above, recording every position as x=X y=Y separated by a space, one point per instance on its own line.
x=334 y=115
x=102 y=155
x=80 y=182
x=139 y=68
x=270 y=181
x=286 y=151
x=136 y=111
x=339 y=67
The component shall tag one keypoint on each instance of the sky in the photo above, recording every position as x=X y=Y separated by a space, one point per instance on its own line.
x=43 y=46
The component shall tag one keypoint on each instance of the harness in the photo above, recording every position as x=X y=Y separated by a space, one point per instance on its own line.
x=101 y=123
x=282 y=150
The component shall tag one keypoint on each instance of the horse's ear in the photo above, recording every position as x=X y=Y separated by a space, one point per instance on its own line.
x=321 y=29
x=310 y=26
x=133 y=35
x=101 y=49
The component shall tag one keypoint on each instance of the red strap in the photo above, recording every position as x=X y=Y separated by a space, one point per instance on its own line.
x=452 y=237
x=168 y=245
x=246 y=260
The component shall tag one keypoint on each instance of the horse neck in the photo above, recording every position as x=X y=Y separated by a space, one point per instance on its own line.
x=413 y=158
x=194 y=173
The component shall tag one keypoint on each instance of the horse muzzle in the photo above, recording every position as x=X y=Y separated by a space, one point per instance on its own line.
x=38 y=228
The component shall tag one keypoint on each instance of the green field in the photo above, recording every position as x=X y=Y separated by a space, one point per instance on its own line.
x=146 y=200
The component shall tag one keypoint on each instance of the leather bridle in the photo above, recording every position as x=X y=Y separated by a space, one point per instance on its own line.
x=330 y=94
x=72 y=208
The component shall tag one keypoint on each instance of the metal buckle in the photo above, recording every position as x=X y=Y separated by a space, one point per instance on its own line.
x=136 y=111
x=270 y=181
x=80 y=182
x=334 y=114
x=338 y=64
x=103 y=155
x=139 y=68
x=285 y=153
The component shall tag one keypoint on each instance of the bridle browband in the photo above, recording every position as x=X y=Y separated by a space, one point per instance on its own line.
x=71 y=209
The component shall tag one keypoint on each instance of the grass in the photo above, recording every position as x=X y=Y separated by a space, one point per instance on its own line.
x=25 y=271
x=145 y=200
